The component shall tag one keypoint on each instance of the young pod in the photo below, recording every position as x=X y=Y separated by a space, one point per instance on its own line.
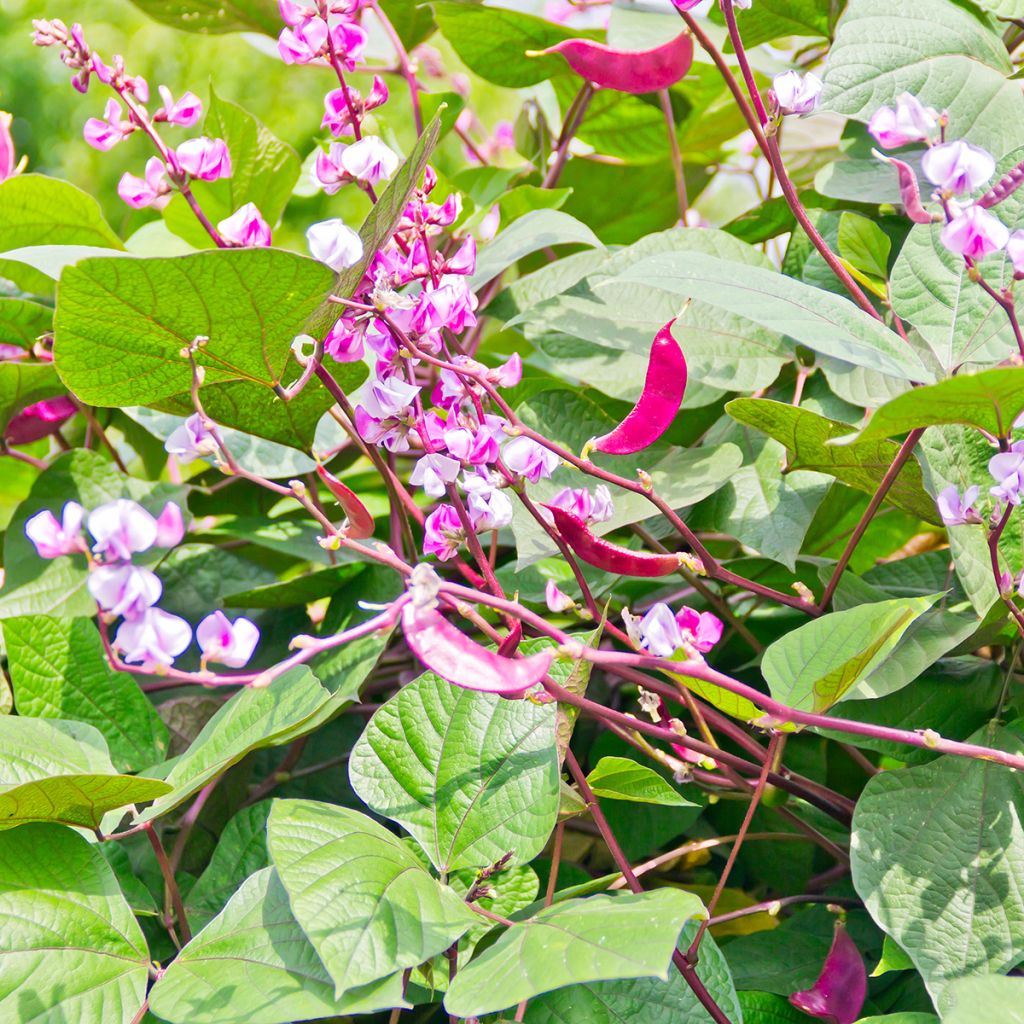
x=360 y=522
x=838 y=994
x=602 y=554
x=446 y=650
x=658 y=404
x=625 y=70
x=910 y=192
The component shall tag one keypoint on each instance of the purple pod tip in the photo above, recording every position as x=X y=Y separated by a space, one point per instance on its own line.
x=839 y=993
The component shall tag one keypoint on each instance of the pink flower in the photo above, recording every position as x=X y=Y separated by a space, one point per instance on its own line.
x=7 y=154
x=701 y=629
x=184 y=113
x=478 y=448
x=463 y=261
x=337 y=115
x=153 y=190
x=369 y=160
x=292 y=13
x=390 y=397
x=154 y=638
x=344 y=341
x=107 y=133
x=303 y=42
x=230 y=643
x=124 y=589
x=509 y=374
x=328 y=171
x=974 y=233
x=958 y=167
x=347 y=42
x=796 y=93
x=525 y=457
x=53 y=539
x=191 y=440
x=246 y=228
x=39 y=420
x=596 y=508
x=207 y=159
x=170 y=526
x=489 y=507
x=910 y=121
x=121 y=528
x=450 y=305
x=663 y=633
x=954 y=510
x=334 y=243
x=555 y=599
x=443 y=533
x=433 y=472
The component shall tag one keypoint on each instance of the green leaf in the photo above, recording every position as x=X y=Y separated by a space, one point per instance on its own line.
x=37 y=211
x=971 y=1000
x=253 y=965
x=59 y=670
x=492 y=42
x=601 y=938
x=472 y=776
x=768 y=1008
x=412 y=22
x=255 y=717
x=815 y=665
x=361 y=896
x=893 y=959
x=250 y=303
x=240 y=851
x=21 y=321
x=264 y=171
x=990 y=400
x=948 y=55
x=80 y=800
x=952 y=900
x=215 y=17
x=774 y=19
x=643 y=1000
x=864 y=244
x=36 y=748
x=619 y=778
x=861 y=464
x=70 y=948
x=530 y=233
x=23 y=384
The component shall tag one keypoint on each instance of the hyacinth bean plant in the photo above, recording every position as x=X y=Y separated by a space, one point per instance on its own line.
x=543 y=547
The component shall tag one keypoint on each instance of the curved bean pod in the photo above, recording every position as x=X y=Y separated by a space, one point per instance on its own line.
x=446 y=650
x=624 y=70
x=658 y=404
x=842 y=986
x=910 y=192
x=360 y=522
x=602 y=554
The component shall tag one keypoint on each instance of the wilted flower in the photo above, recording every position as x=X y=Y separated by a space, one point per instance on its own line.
x=334 y=243
x=124 y=589
x=229 y=643
x=245 y=227
x=956 y=510
x=154 y=638
x=53 y=539
x=555 y=599
x=975 y=233
x=796 y=93
x=958 y=167
x=207 y=159
x=526 y=457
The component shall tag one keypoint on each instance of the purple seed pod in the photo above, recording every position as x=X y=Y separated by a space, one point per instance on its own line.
x=838 y=994
x=602 y=554
x=39 y=420
x=624 y=70
x=446 y=650
x=659 y=402
x=910 y=193
x=1004 y=187
x=360 y=522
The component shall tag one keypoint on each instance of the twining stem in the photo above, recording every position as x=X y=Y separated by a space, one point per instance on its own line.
x=570 y=125
x=902 y=456
x=993 y=550
x=170 y=884
x=188 y=823
x=404 y=64
x=723 y=879
x=774 y=906
x=682 y=201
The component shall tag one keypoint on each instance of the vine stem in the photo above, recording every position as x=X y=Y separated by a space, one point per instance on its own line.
x=902 y=456
x=685 y=968
x=170 y=883
x=570 y=125
x=993 y=550
x=772 y=907
x=682 y=201
x=404 y=64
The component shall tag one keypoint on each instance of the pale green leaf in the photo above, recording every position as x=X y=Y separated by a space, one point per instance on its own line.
x=619 y=778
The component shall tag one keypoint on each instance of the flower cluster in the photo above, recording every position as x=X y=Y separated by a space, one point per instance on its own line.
x=957 y=169
x=147 y=635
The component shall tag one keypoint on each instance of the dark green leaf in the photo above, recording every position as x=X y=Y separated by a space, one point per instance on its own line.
x=215 y=16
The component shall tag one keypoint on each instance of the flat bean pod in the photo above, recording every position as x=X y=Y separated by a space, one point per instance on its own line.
x=360 y=522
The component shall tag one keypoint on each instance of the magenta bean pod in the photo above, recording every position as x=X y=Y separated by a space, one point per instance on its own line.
x=658 y=404
x=446 y=650
x=910 y=193
x=624 y=70
x=602 y=554
x=838 y=995
x=360 y=522
x=39 y=420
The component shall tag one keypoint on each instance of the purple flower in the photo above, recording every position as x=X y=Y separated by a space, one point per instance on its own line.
x=389 y=397
x=1007 y=469
x=489 y=507
x=338 y=110
x=302 y=42
x=344 y=341
x=8 y=163
x=796 y=93
x=334 y=243
x=121 y=528
x=124 y=589
x=443 y=533
x=152 y=190
x=910 y=121
x=434 y=472
x=478 y=448
x=207 y=159
x=348 y=42
x=958 y=167
x=509 y=374
x=53 y=539
x=974 y=233
x=328 y=171
x=292 y=13
x=155 y=638
x=463 y=260
x=555 y=599
x=591 y=508
x=526 y=457
x=184 y=113
x=701 y=629
x=170 y=526
x=449 y=306
x=191 y=440
x=229 y=643
x=954 y=510
x=246 y=227
x=664 y=633
x=369 y=160
x=107 y=133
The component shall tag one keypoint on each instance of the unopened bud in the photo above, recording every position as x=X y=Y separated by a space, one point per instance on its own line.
x=302 y=642
x=331 y=543
x=803 y=591
x=298 y=488
x=931 y=738
x=645 y=479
